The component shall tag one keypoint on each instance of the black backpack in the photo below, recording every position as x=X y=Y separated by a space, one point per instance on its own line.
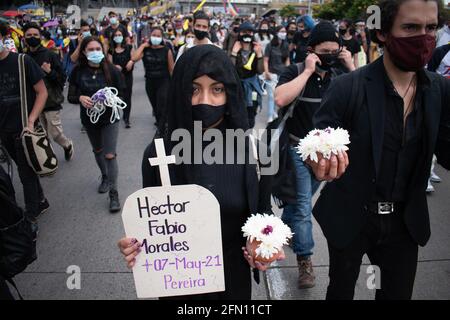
x=17 y=239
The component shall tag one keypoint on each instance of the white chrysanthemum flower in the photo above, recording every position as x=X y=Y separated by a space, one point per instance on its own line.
x=326 y=142
x=270 y=231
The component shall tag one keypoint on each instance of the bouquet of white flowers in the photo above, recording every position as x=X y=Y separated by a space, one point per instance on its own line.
x=327 y=142
x=266 y=235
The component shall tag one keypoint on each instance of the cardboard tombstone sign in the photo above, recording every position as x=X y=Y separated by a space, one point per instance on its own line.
x=179 y=228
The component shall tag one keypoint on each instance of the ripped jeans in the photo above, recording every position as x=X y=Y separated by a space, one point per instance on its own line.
x=104 y=143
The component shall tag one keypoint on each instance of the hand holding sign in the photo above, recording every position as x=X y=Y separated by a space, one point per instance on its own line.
x=179 y=233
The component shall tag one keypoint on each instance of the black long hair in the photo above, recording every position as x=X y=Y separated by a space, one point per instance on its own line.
x=84 y=63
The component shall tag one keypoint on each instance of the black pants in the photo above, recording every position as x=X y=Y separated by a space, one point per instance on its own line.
x=5 y=293
x=386 y=241
x=157 y=91
x=32 y=189
x=252 y=111
x=127 y=96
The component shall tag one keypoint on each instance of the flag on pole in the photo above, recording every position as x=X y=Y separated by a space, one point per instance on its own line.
x=200 y=6
x=232 y=9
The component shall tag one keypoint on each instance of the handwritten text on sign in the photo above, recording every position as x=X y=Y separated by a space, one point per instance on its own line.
x=179 y=228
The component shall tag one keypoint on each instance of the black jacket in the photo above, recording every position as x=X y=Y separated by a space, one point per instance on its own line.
x=54 y=81
x=342 y=208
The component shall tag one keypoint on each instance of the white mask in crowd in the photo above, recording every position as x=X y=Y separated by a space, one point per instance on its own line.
x=2 y=46
x=282 y=35
x=118 y=39
x=114 y=20
x=156 y=41
x=190 y=42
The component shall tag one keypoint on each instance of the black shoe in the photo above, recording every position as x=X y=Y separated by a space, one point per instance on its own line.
x=83 y=129
x=104 y=186
x=127 y=124
x=68 y=153
x=114 y=203
x=43 y=207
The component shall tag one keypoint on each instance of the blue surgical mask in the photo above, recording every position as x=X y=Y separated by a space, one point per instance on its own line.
x=118 y=39
x=156 y=41
x=95 y=57
x=113 y=20
x=86 y=34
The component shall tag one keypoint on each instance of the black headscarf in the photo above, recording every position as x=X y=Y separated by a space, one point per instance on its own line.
x=196 y=62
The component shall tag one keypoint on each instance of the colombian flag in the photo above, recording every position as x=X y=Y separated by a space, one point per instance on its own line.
x=232 y=9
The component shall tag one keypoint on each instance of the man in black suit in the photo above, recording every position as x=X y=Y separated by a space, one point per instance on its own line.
x=397 y=115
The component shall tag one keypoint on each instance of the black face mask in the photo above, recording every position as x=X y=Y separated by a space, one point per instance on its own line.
x=328 y=61
x=200 y=35
x=33 y=42
x=342 y=31
x=291 y=32
x=236 y=29
x=208 y=114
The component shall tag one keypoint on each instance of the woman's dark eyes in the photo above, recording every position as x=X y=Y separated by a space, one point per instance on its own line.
x=219 y=90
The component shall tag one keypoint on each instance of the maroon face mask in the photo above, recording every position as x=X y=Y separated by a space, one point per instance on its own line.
x=410 y=53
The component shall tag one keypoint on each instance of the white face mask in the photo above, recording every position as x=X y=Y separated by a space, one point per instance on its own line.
x=190 y=42
x=282 y=35
x=2 y=46
x=156 y=41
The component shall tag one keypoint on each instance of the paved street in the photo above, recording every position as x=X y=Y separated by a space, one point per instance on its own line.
x=79 y=230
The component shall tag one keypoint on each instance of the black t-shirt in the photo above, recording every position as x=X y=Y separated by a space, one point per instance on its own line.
x=10 y=109
x=156 y=63
x=352 y=45
x=277 y=57
x=301 y=122
x=86 y=81
x=122 y=59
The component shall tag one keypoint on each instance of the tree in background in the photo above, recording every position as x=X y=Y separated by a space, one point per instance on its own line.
x=339 y=9
x=288 y=11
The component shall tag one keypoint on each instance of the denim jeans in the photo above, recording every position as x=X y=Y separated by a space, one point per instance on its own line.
x=299 y=216
x=104 y=141
x=270 y=86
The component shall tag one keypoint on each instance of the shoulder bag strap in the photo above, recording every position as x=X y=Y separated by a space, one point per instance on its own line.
x=290 y=112
x=23 y=90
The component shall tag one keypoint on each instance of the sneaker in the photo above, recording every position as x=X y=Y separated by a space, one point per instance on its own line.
x=43 y=207
x=104 y=185
x=430 y=187
x=306 y=277
x=68 y=153
x=83 y=129
x=114 y=203
x=435 y=178
x=127 y=124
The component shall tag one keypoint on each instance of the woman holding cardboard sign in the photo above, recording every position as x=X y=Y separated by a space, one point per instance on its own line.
x=206 y=88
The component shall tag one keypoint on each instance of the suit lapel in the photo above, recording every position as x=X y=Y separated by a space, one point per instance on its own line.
x=376 y=100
